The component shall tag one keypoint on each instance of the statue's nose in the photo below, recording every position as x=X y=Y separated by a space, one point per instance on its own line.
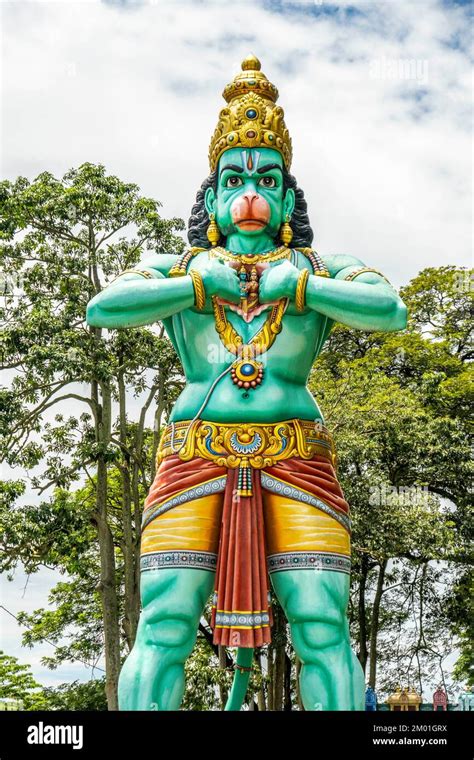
x=250 y=196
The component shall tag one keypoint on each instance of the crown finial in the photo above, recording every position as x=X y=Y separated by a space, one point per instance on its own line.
x=251 y=63
x=251 y=118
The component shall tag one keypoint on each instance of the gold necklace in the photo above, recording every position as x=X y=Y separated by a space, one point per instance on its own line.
x=282 y=252
x=247 y=371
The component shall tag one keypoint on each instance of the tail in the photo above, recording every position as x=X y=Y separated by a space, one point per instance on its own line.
x=241 y=679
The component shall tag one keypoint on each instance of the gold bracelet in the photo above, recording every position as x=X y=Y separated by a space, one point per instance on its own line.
x=300 y=297
x=199 y=292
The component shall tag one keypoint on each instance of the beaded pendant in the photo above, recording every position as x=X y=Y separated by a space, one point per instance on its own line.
x=247 y=373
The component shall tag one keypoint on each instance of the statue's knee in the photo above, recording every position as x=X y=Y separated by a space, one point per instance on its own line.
x=167 y=619
x=164 y=628
x=317 y=630
x=171 y=632
x=318 y=635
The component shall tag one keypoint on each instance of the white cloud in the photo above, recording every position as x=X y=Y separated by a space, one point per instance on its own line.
x=26 y=594
x=136 y=86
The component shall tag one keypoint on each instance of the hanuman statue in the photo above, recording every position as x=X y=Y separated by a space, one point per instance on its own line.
x=246 y=490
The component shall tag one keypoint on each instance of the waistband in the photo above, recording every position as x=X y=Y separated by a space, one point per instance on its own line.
x=246 y=444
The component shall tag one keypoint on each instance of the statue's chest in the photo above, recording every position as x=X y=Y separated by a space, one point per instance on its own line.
x=245 y=325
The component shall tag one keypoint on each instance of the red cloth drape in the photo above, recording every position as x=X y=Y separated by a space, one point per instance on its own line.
x=316 y=475
x=174 y=475
x=242 y=583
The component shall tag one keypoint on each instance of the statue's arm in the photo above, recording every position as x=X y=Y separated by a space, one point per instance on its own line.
x=141 y=296
x=360 y=299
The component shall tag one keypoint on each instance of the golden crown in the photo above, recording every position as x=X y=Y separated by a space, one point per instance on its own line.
x=251 y=119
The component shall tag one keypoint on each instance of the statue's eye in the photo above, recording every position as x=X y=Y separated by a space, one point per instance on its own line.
x=267 y=182
x=234 y=182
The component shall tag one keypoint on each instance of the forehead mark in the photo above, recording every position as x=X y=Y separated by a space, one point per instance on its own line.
x=250 y=160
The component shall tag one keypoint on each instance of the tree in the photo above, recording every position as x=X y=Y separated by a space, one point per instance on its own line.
x=87 y=695
x=17 y=682
x=398 y=404
x=62 y=240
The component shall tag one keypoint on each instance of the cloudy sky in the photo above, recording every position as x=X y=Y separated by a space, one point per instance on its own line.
x=376 y=97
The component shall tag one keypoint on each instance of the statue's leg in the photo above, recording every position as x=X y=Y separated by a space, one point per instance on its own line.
x=315 y=603
x=152 y=677
x=314 y=595
x=176 y=545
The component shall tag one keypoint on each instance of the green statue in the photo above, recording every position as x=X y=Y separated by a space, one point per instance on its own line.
x=246 y=490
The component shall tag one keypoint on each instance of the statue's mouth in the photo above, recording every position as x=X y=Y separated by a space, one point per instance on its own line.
x=250 y=224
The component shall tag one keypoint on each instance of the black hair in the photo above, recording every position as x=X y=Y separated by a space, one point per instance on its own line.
x=199 y=219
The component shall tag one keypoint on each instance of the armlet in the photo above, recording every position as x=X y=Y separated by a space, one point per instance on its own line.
x=317 y=264
x=352 y=275
x=142 y=272
x=181 y=267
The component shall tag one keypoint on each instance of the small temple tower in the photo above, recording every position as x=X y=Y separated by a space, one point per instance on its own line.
x=405 y=700
x=440 y=700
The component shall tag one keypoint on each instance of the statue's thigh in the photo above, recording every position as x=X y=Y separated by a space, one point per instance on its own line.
x=308 y=559
x=178 y=562
x=315 y=605
x=173 y=599
x=312 y=595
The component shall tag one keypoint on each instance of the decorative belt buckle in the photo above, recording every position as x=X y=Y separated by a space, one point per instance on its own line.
x=244 y=443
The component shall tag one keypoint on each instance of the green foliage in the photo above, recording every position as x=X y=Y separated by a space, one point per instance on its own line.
x=203 y=679
x=87 y=695
x=399 y=407
x=17 y=682
x=62 y=240
x=59 y=533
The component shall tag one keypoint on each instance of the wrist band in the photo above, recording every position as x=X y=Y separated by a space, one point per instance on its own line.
x=199 y=292
x=300 y=296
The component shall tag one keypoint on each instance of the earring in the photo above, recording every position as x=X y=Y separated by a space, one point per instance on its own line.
x=286 y=233
x=213 y=232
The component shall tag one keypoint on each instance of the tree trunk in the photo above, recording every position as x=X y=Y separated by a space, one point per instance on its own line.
x=107 y=584
x=287 y=705
x=271 y=674
x=222 y=664
x=137 y=513
x=158 y=420
x=363 y=653
x=374 y=628
x=298 y=692
x=279 y=672
x=131 y=609
x=131 y=601
x=261 y=692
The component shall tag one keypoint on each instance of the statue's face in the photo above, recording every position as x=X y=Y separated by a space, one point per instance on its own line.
x=250 y=199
